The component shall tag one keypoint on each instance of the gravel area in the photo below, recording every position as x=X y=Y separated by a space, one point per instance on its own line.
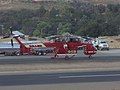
x=60 y=67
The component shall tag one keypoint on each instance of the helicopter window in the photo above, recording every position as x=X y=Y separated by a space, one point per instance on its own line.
x=73 y=39
x=57 y=40
x=63 y=40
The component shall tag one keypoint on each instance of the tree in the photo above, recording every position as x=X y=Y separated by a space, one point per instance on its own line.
x=41 y=11
x=58 y=17
x=41 y=26
x=64 y=28
x=36 y=33
x=114 y=8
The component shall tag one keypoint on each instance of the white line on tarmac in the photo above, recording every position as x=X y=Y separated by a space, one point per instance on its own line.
x=90 y=76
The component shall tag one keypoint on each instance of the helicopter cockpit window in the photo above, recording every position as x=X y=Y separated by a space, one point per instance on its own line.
x=57 y=40
x=73 y=39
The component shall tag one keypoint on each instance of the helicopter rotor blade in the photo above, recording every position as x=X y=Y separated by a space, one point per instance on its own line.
x=11 y=30
x=12 y=43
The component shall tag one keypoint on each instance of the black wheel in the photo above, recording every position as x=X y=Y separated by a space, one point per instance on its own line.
x=90 y=56
x=6 y=54
x=97 y=47
x=100 y=49
x=42 y=53
x=66 y=57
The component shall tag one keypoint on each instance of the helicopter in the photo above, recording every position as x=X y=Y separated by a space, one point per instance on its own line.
x=68 y=46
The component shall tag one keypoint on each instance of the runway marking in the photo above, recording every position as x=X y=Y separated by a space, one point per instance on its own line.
x=89 y=76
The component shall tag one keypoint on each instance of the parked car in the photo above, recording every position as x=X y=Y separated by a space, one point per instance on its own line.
x=100 y=44
x=103 y=45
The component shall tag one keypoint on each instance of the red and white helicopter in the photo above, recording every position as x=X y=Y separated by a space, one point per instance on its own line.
x=66 y=46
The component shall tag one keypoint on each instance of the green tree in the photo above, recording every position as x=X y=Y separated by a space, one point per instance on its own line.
x=36 y=33
x=41 y=26
x=64 y=28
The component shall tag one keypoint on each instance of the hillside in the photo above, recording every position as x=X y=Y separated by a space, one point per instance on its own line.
x=27 y=4
x=49 y=18
x=15 y=5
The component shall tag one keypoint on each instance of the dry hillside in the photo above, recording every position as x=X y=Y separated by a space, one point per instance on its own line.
x=18 y=4
x=113 y=41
